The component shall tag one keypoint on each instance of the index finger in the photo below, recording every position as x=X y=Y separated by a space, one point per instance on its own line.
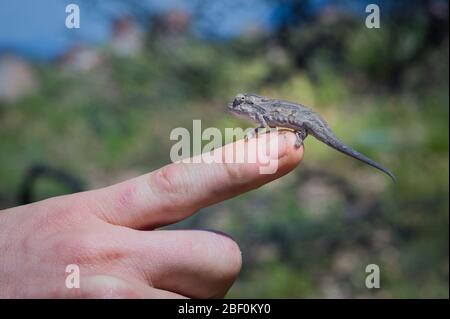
x=177 y=190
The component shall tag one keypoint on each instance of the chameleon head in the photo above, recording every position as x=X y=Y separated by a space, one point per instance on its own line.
x=244 y=104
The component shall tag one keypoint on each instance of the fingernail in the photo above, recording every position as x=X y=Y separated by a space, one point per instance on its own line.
x=285 y=140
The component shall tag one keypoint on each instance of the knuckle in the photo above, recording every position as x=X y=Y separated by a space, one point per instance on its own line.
x=174 y=189
x=233 y=171
x=166 y=180
x=125 y=195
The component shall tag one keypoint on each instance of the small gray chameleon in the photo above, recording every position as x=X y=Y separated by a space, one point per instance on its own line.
x=269 y=113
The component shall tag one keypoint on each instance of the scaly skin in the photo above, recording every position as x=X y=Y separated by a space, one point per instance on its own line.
x=280 y=113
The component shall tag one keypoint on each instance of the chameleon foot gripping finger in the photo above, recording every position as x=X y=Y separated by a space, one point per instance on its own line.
x=297 y=117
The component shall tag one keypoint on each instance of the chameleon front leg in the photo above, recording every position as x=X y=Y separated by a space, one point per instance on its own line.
x=262 y=124
x=300 y=134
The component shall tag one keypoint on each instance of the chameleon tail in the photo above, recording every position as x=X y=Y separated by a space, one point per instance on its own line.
x=338 y=145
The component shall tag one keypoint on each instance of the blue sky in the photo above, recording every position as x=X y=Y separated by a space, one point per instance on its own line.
x=35 y=28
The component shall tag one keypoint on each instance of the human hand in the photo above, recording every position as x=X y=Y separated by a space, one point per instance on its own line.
x=111 y=234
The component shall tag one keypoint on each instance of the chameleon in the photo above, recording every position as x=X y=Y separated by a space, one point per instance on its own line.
x=275 y=113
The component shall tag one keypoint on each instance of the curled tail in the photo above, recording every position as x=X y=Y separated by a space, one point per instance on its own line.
x=327 y=137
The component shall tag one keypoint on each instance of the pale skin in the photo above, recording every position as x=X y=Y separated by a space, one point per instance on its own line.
x=112 y=234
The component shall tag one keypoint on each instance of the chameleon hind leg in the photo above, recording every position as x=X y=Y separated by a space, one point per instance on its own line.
x=300 y=137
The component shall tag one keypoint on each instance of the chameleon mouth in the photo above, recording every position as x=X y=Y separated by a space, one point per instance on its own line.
x=232 y=107
x=234 y=110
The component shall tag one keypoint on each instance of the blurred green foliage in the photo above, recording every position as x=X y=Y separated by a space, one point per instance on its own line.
x=312 y=233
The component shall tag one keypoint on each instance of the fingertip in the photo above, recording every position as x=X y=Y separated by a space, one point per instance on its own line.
x=291 y=155
x=294 y=153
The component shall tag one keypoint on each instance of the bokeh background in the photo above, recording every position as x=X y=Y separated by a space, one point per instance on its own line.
x=83 y=108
